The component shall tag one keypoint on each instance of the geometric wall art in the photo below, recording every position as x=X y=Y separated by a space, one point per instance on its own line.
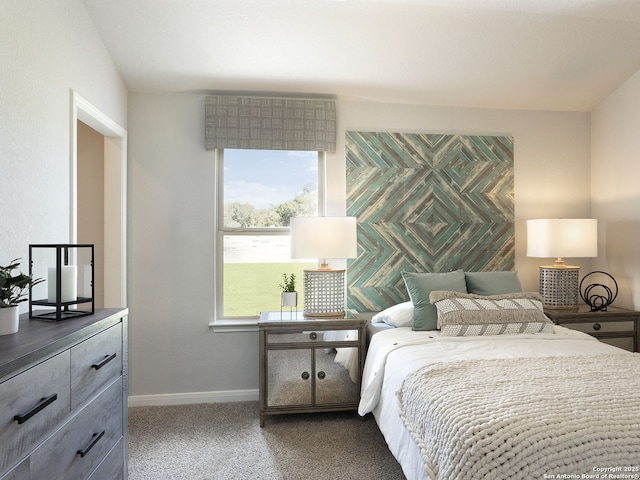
x=426 y=203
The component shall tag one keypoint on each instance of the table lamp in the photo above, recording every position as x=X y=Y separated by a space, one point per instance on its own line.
x=324 y=238
x=557 y=238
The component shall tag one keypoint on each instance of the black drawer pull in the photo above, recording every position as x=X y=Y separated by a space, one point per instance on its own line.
x=313 y=335
x=104 y=361
x=41 y=405
x=597 y=326
x=305 y=375
x=321 y=375
x=95 y=437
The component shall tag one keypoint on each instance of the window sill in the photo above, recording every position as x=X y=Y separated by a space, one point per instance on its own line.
x=232 y=326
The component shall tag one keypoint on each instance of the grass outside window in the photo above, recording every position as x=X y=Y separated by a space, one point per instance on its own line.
x=250 y=288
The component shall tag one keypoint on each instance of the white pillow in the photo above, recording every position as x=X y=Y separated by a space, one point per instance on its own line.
x=467 y=314
x=400 y=315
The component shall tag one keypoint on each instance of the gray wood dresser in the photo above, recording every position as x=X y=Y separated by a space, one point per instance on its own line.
x=63 y=398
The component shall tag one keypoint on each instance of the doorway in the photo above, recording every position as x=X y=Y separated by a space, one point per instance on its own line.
x=98 y=179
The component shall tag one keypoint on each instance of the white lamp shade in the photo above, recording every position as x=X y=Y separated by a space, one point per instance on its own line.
x=323 y=237
x=562 y=237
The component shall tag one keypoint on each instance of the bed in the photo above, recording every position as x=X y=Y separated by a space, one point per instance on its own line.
x=535 y=402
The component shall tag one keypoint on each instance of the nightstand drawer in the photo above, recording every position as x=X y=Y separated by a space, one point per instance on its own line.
x=601 y=327
x=626 y=343
x=307 y=336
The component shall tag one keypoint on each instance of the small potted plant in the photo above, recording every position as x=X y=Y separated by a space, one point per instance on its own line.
x=289 y=296
x=12 y=292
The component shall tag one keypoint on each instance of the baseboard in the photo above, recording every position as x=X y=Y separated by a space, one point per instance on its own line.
x=193 y=397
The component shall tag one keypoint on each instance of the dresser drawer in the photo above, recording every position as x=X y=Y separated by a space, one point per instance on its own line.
x=33 y=404
x=112 y=467
x=602 y=327
x=81 y=445
x=19 y=472
x=94 y=363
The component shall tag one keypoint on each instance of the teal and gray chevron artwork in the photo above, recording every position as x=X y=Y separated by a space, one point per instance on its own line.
x=426 y=203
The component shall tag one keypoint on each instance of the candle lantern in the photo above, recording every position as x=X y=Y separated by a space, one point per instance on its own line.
x=69 y=273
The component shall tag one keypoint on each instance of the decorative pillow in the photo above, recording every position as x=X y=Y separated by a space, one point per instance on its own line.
x=400 y=315
x=461 y=315
x=492 y=283
x=420 y=285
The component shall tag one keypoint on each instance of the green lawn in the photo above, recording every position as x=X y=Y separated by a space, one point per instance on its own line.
x=250 y=288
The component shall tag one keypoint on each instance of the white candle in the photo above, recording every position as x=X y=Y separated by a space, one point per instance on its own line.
x=86 y=281
x=68 y=284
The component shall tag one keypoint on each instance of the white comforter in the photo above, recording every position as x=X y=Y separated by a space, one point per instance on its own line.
x=395 y=353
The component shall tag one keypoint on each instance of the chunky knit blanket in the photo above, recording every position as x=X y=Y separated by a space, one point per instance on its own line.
x=525 y=418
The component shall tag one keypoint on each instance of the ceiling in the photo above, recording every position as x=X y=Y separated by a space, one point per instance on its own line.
x=508 y=54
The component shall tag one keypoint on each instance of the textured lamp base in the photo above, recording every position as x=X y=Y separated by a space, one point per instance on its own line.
x=324 y=293
x=559 y=287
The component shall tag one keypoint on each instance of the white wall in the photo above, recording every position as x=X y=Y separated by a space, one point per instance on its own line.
x=171 y=201
x=47 y=48
x=171 y=232
x=615 y=187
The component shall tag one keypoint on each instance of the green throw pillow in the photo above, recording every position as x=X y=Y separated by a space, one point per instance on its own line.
x=420 y=285
x=492 y=283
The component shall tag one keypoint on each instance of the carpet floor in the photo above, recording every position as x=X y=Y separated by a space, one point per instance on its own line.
x=224 y=441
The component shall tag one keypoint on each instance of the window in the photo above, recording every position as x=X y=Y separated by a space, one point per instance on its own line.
x=258 y=192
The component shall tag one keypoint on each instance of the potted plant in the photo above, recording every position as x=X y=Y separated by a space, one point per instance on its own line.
x=289 y=297
x=12 y=292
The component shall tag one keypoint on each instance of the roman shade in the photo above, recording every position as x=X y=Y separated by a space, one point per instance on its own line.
x=270 y=123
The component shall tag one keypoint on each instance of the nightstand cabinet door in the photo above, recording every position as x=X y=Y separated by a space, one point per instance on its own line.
x=332 y=382
x=289 y=377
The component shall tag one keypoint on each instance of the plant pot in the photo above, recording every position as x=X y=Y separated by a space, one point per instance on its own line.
x=9 y=320
x=289 y=299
